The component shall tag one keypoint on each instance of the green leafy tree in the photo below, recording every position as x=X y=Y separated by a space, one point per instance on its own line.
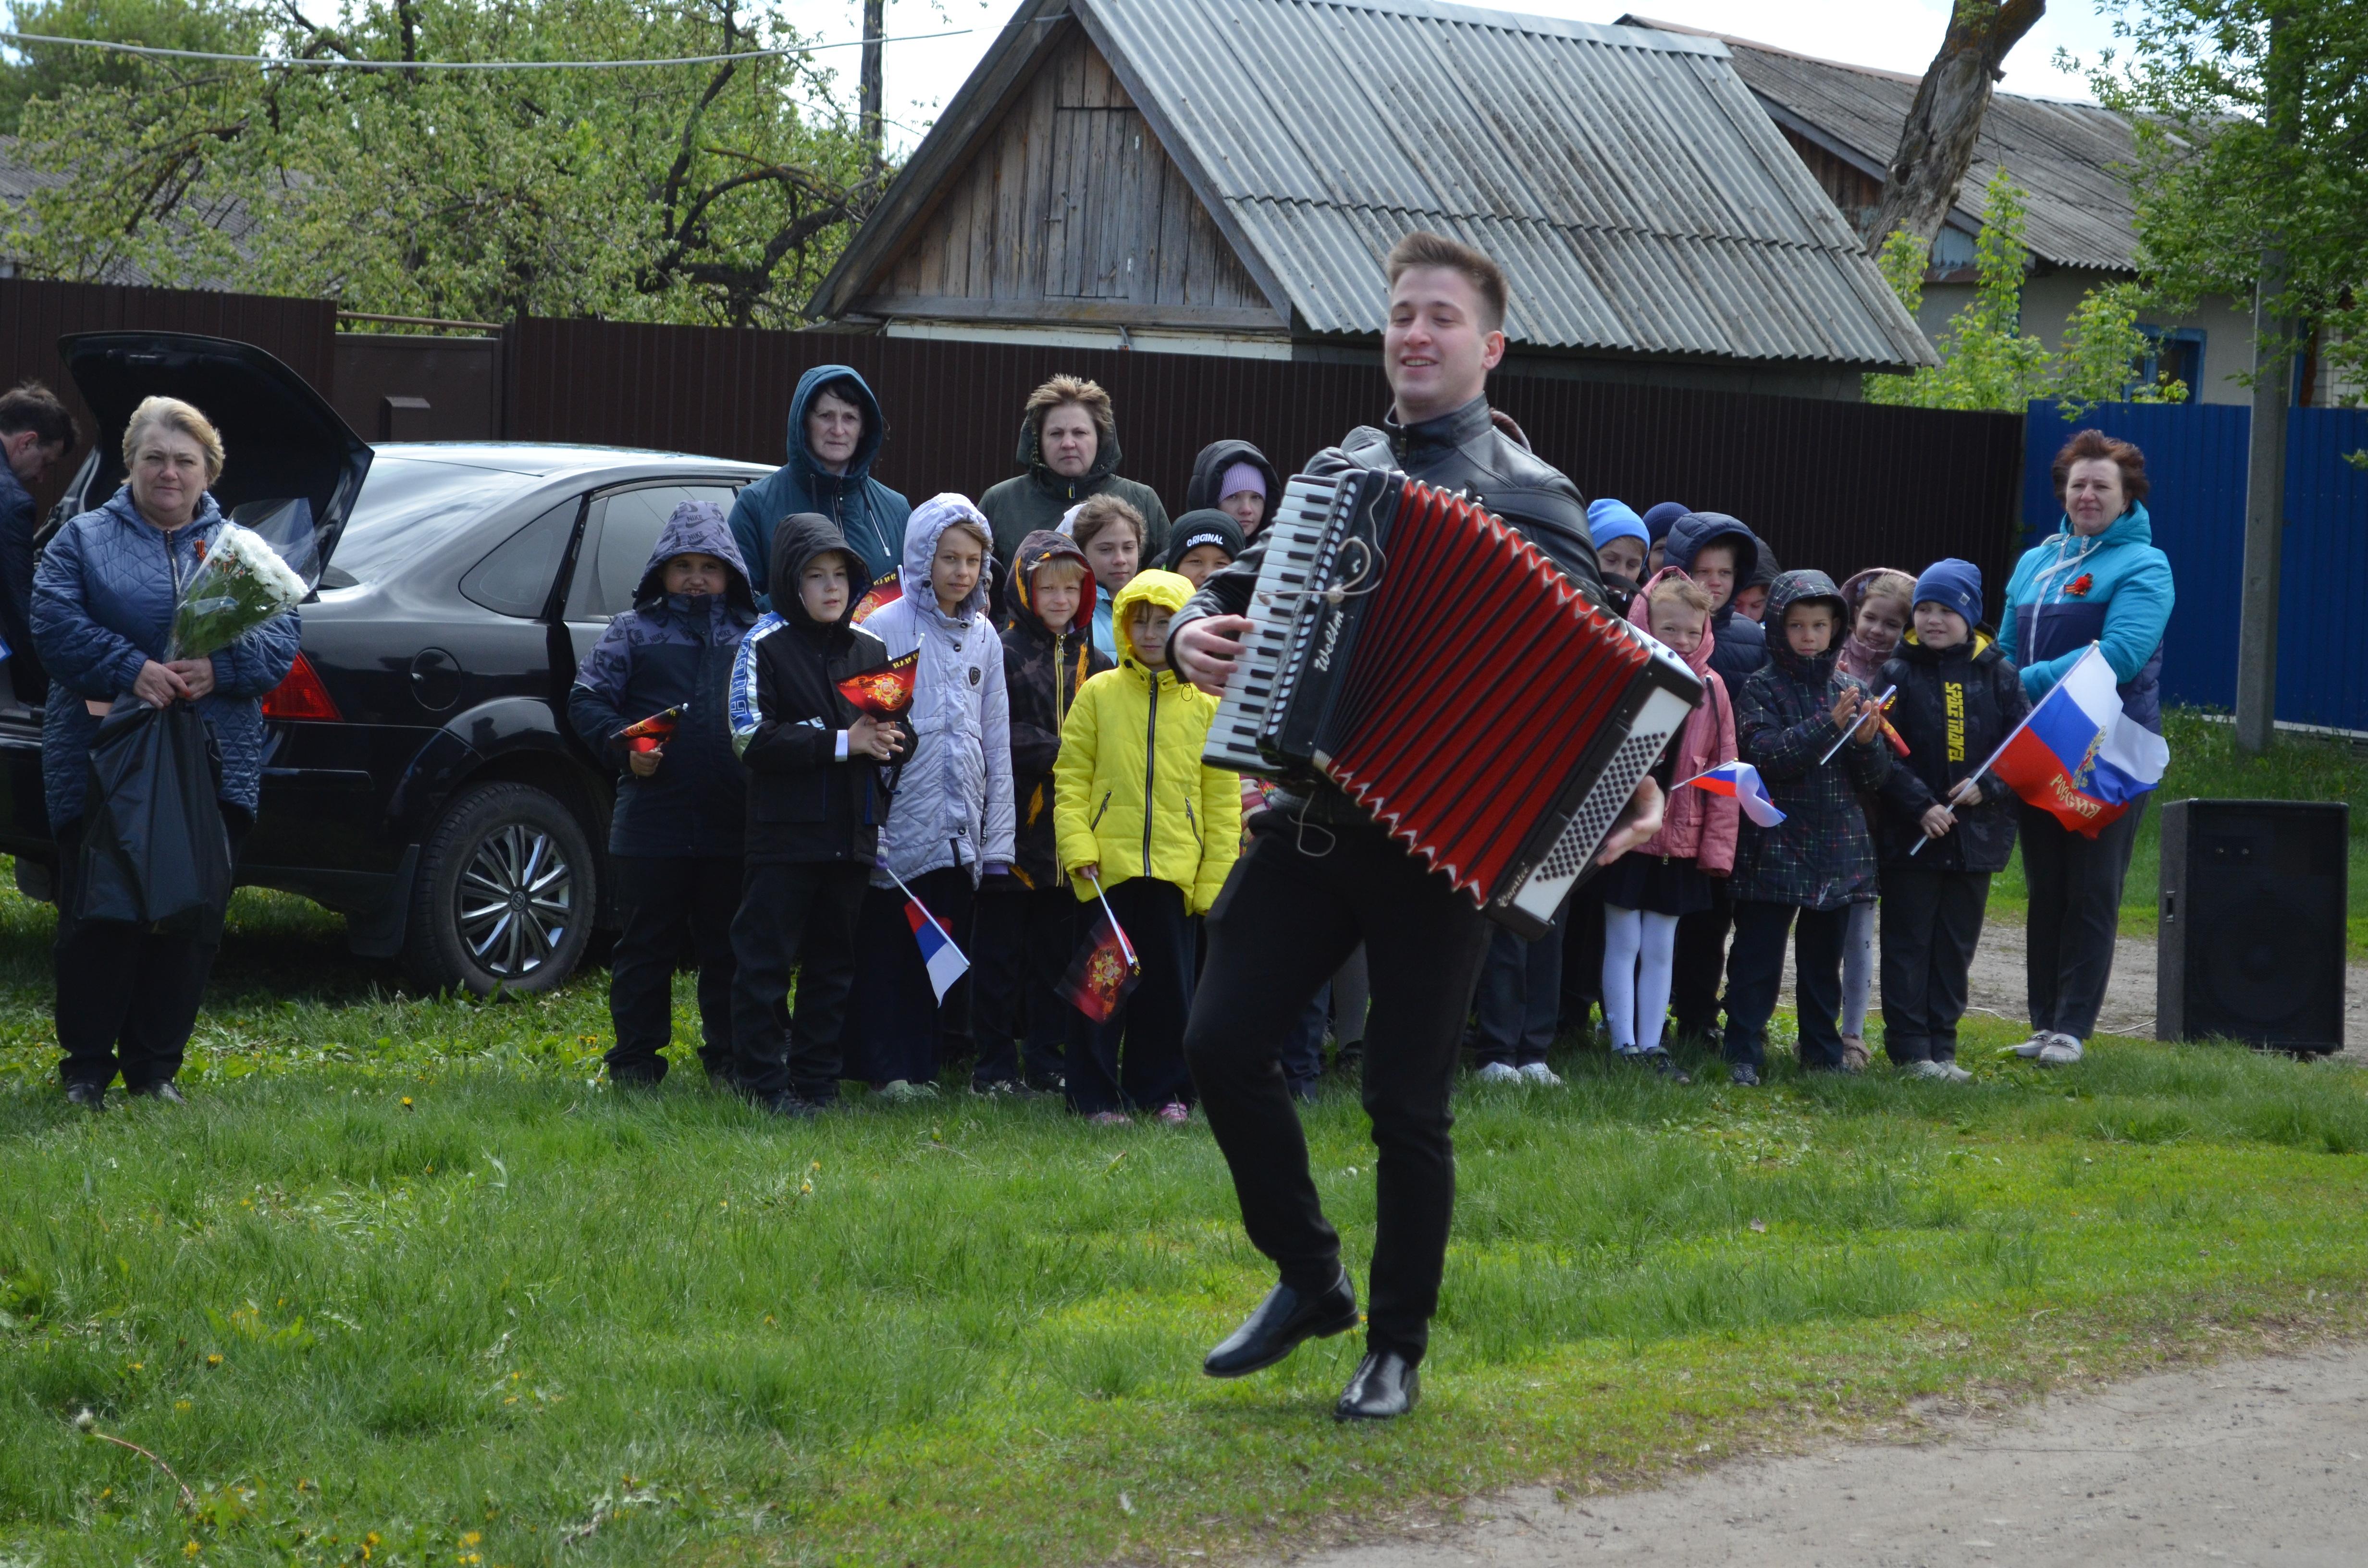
x=699 y=193
x=1987 y=360
x=2238 y=151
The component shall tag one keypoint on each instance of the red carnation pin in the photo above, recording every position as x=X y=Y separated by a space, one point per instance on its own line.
x=2078 y=587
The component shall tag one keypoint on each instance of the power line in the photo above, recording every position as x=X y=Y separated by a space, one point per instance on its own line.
x=335 y=64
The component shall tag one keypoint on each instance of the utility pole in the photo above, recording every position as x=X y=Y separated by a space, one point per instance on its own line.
x=2265 y=477
x=875 y=28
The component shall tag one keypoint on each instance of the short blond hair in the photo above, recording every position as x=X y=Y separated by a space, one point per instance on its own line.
x=175 y=415
x=1056 y=570
x=1678 y=589
x=1087 y=395
x=1099 y=513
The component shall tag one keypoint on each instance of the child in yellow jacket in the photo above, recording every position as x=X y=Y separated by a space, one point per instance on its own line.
x=1137 y=814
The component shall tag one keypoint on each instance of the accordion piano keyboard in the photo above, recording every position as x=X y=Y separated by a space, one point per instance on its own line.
x=1293 y=541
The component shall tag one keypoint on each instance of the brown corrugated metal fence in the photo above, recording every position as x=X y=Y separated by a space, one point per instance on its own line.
x=1838 y=485
x=34 y=315
x=1833 y=484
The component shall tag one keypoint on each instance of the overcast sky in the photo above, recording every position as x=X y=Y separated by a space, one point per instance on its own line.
x=1896 y=35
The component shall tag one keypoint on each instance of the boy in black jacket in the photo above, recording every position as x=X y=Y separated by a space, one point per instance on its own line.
x=1025 y=928
x=1944 y=829
x=814 y=807
x=674 y=841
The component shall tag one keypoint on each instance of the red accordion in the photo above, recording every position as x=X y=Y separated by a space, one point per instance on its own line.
x=1449 y=678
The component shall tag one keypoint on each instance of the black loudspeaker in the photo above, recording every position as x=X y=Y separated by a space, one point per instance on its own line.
x=2250 y=944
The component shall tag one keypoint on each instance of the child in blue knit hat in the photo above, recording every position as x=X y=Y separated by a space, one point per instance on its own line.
x=1946 y=826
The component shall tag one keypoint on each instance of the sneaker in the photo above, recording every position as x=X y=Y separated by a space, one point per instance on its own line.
x=1954 y=1073
x=1003 y=1089
x=897 y=1091
x=1931 y=1071
x=1743 y=1075
x=2061 y=1051
x=1499 y=1073
x=1661 y=1061
x=1175 y=1113
x=790 y=1106
x=1111 y=1118
x=2035 y=1044
x=1543 y=1076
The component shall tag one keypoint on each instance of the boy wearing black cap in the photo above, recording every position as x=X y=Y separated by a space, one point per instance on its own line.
x=1811 y=866
x=1203 y=544
x=1945 y=829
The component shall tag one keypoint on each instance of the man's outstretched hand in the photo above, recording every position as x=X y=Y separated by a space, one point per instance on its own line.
x=1204 y=651
x=1639 y=820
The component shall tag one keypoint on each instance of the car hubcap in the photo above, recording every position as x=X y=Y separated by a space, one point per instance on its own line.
x=517 y=902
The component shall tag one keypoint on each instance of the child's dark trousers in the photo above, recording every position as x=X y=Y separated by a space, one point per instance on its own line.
x=804 y=915
x=898 y=1022
x=1023 y=938
x=669 y=904
x=1931 y=922
x=1149 y=1071
x=1755 y=971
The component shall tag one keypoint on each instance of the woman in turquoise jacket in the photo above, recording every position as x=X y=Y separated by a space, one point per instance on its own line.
x=2098 y=579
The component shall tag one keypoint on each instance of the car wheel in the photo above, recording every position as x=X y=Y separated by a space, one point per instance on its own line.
x=505 y=895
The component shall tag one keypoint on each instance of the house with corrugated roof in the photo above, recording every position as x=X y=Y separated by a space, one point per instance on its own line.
x=1227 y=175
x=2069 y=158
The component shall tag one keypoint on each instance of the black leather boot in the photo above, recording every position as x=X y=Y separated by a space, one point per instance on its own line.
x=163 y=1089
x=1386 y=1385
x=90 y=1096
x=1281 y=1322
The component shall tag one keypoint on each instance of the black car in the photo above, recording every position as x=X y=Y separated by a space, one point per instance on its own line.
x=421 y=776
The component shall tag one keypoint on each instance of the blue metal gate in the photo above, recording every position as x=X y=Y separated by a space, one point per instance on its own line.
x=2195 y=461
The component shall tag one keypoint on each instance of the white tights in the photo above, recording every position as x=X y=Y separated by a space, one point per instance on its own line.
x=1637 y=945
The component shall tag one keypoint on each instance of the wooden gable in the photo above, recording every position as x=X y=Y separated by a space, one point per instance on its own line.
x=1068 y=209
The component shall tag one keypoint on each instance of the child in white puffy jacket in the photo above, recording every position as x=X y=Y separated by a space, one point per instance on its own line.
x=949 y=821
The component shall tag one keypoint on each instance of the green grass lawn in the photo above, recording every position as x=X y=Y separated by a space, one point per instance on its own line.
x=406 y=1284
x=2204 y=762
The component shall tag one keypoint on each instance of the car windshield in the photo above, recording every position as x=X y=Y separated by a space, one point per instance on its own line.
x=402 y=504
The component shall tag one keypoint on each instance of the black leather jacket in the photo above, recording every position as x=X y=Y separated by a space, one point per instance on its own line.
x=1463 y=450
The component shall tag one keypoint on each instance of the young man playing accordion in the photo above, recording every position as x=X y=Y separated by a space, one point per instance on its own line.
x=1320 y=877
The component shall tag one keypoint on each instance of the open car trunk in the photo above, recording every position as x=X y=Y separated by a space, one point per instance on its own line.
x=291 y=469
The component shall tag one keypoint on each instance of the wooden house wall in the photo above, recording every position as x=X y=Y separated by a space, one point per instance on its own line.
x=1070 y=210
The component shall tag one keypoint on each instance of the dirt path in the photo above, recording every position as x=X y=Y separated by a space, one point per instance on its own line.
x=1996 y=986
x=2246 y=1462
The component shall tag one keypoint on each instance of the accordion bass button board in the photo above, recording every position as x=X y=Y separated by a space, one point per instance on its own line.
x=1399 y=634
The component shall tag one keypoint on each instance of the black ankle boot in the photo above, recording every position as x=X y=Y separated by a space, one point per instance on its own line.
x=90 y=1096
x=1386 y=1385
x=1281 y=1322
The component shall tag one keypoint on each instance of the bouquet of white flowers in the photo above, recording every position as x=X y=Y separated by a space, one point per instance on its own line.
x=240 y=583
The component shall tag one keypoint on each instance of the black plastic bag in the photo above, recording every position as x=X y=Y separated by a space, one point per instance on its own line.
x=153 y=844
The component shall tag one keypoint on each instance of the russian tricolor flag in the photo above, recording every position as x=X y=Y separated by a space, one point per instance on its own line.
x=1740 y=782
x=944 y=961
x=2078 y=756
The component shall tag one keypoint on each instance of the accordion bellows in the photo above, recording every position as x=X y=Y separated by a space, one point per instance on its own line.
x=1446 y=675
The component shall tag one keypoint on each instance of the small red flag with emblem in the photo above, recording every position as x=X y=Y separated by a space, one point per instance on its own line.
x=885 y=590
x=884 y=693
x=1104 y=971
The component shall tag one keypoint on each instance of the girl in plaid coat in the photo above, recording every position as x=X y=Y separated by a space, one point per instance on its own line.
x=1819 y=861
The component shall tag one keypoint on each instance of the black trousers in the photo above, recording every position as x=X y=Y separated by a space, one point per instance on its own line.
x=1754 y=973
x=1285 y=922
x=798 y=914
x=668 y=902
x=1931 y=921
x=1582 y=955
x=128 y=993
x=1520 y=1002
x=1699 y=963
x=1022 y=941
x=1148 y=1070
x=2076 y=913
x=898 y=1023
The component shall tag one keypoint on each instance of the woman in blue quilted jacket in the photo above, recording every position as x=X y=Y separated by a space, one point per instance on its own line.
x=102 y=615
